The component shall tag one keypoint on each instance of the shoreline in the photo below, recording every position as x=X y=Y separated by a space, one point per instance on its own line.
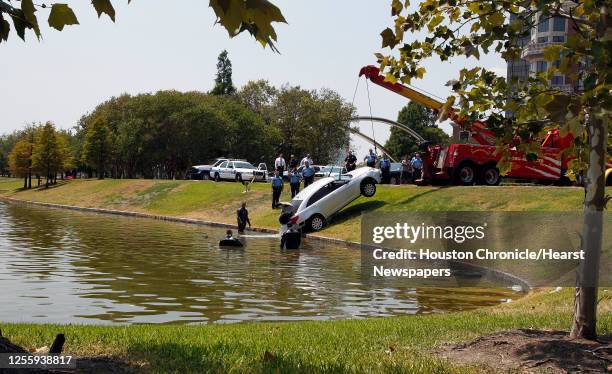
x=496 y=275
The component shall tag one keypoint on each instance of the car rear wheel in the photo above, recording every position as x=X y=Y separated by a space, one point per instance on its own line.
x=217 y=177
x=368 y=188
x=316 y=222
x=465 y=174
x=490 y=176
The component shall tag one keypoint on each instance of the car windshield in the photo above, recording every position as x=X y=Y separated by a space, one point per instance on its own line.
x=218 y=162
x=243 y=165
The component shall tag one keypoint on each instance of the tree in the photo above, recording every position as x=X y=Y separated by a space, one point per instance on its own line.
x=584 y=56
x=223 y=80
x=49 y=156
x=259 y=96
x=421 y=120
x=315 y=122
x=97 y=147
x=20 y=161
x=235 y=16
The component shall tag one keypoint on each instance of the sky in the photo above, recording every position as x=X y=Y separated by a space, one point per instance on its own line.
x=156 y=46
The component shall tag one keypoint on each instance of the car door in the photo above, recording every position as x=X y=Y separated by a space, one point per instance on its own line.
x=229 y=171
x=341 y=195
x=220 y=169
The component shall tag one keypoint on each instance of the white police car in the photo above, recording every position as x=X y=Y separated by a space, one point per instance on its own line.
x=239 y=170
x=313 y=206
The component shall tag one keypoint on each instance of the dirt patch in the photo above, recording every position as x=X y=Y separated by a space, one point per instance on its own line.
x=531 y=351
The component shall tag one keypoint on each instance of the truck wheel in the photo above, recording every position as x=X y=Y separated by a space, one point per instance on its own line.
x=316 y=222
x=238 y=178
x=465 y=174
x=490 y=176
x=368 y=188
x=217 y=177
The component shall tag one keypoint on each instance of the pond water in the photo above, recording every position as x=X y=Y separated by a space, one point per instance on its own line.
x=71 y=267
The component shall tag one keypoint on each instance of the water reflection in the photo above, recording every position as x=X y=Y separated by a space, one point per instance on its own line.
x=65 y=266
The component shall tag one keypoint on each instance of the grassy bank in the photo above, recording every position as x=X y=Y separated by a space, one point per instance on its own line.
x=395 y=344
x=218 y=201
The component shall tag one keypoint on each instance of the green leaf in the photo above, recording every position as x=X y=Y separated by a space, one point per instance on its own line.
x=104 y=6
x=5 y=29
x=61 y=15
x=27 y=7
x=496 y=19
x=388 y=38
x=19 y=23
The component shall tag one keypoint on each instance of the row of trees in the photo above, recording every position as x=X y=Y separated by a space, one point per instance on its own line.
x=40 y=151
x=162 y=135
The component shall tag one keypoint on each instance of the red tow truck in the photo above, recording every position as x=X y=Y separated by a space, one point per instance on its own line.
x=476 y=161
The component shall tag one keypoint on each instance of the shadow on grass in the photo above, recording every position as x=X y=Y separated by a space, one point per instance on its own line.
x=356 y=210
x=416 y=196
x=222 y=357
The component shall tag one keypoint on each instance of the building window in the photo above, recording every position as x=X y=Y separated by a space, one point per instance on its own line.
x=559 y=24
x=543 y=25
x=558 y=64
x=541 y=66
x=558 y=38
x=557 y=80
x=543 y=39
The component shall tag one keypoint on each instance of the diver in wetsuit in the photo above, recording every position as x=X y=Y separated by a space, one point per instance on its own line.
x=291 y=239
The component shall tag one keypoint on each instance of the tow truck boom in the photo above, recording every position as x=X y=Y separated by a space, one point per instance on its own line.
x=478 y=130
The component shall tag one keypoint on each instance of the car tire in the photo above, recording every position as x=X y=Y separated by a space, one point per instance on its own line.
x=315 y=223
x=368 y=188
x=238 y=178
x=217 y=177
x=490 y=176
x=465 y=174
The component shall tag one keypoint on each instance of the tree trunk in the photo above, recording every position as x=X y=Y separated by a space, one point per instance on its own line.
x=585 y=299
x=25 y=182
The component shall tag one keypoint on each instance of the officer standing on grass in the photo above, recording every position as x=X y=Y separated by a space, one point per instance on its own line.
x=293 y=162
x=417 y=167
x=306 y=159
x=370 y=159
x=294 y=182
x=385 y=169
x=350 y=162
x=279 y=164
x=277 y=189
x=308 y=174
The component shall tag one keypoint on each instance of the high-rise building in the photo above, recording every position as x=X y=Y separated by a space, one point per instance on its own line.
x=549 y=30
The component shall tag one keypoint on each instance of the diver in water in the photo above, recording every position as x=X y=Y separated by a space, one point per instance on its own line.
x=229 y=240
x=291 y=238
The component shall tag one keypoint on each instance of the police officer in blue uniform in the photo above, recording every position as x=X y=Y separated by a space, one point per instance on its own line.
x=385 y=169
x=308 y=174
x=294 y=182
x=370 y=159
x=277 y=189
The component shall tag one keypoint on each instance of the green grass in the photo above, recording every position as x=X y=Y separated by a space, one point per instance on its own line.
x=218 y=201
x=395 y=344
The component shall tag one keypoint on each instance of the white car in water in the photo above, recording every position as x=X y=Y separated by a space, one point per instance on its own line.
x=314 y=205
x=239 y=170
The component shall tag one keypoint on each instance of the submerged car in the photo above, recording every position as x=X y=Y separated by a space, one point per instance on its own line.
x=314 y=205
x=239 y=170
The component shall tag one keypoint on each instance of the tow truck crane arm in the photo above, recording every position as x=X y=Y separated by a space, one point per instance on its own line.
x=478 y=130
